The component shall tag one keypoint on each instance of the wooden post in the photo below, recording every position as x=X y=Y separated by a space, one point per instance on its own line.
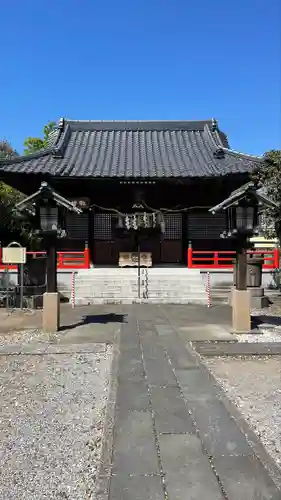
x=139 y=276
x=241 y=268
x=51 y=300
x=216 y=259
x=276 y=258
x=189 y=255
x=51 y=265
x=86 y=256
x=241 y=297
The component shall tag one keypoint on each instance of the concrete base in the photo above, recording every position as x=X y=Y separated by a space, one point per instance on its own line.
x=258 y=299
x=51 y=312
x=241 y=311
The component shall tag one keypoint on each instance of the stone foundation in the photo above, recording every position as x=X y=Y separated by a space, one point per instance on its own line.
x=51 y=312
x=257 y=298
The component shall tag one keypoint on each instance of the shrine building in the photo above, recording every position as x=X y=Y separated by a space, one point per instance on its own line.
x=177 y=168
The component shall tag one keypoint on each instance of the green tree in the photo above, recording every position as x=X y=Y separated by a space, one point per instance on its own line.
x=34 y=144
x=6 y=150
x=8 y=196
x=269 y=176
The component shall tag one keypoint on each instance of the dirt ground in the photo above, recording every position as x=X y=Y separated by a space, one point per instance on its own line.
x=19 y=320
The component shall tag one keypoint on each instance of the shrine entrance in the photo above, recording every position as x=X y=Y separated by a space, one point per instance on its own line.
x=107 y=243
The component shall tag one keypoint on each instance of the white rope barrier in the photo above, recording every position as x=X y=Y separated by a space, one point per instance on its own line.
x=208 y=289
x=73 y=290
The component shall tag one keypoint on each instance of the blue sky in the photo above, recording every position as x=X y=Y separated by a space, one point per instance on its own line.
x=143 y=59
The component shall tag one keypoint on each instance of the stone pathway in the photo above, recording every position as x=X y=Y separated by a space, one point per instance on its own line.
x=173 y=437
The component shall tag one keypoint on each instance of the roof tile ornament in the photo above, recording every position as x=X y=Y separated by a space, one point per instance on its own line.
x=214 y=125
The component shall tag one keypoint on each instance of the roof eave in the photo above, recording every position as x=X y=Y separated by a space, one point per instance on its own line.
x=50 y=192
x=241 y=193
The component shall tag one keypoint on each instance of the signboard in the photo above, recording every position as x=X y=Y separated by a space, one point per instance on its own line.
x=13 y=255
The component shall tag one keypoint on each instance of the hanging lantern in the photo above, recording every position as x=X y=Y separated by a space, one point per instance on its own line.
x=242 y=218
x=48 y=218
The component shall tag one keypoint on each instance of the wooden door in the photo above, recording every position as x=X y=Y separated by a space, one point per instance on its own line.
x=171 y=244
x=104 y=251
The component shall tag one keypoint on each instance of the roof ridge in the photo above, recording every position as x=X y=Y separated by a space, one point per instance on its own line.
x=141 y=125
x=67 y=120
x=211 y=133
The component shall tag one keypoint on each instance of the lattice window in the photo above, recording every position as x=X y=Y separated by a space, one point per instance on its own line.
x=173 y=226
x=103 y=227
x=202 y=225
x=77 y=226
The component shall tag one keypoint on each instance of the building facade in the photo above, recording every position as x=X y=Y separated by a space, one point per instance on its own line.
x=177 y=168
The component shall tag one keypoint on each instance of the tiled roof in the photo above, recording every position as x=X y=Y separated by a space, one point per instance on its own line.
x=135 y=150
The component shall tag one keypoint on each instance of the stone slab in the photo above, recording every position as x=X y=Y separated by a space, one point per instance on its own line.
x=136 y=488
x=75 y=348
x=35 y=348
x=188 y=473
x=148 y=334
x=164 y=330
x=245 y=478
x=89 y=333
x=160 y=373
x=10 y=349
x=129 y=343
x=195 y=383
x=238 y=349
x=205 y=333
x=134 y=448
x=129 y=352
x=130 y=370
x=219 y=432
x=177 y=352
x=132 y=395
x=170 y=411
x=152 y=349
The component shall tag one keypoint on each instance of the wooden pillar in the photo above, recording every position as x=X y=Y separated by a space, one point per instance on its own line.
x=241 y=268
x=184 y=237
x=241 y=297
x=91 y=239
x=51 y=265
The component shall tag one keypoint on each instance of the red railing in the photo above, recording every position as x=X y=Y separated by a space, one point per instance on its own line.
x=66 y=260
x=223 y=259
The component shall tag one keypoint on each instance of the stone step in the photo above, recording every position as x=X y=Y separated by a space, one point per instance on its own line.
x=105 y=300
x=165 y=285
x=187 y=285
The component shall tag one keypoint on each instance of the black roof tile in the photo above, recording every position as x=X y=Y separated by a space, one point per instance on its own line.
x=135 y=150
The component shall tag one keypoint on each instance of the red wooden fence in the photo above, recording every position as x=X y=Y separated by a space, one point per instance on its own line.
x=66 y=260
x=207 y=259
x=224 y=259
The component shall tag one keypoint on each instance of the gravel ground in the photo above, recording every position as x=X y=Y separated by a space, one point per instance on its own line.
x=254 y=385
x=26 y=337
x=51 y=424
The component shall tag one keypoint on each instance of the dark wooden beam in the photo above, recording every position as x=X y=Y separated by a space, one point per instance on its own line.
x=241 y=268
